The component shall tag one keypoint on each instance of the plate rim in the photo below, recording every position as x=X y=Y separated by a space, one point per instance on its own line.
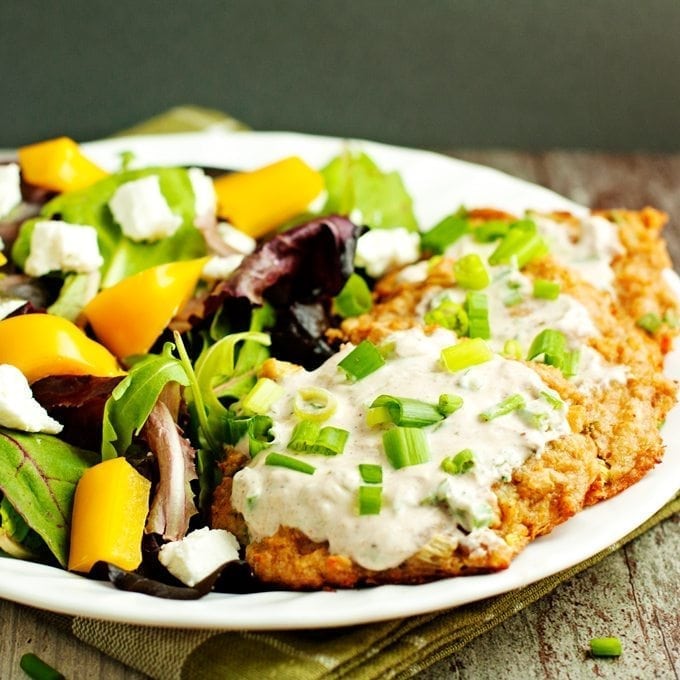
x=320 y=609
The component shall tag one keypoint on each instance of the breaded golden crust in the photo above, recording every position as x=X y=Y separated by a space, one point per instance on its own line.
x=615 y=438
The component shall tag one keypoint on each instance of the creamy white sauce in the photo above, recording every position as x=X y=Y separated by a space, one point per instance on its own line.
x=524 y=320
x=591 y=254
x=419 y=502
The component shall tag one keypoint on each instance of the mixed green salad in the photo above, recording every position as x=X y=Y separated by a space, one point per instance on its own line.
x=136 y=309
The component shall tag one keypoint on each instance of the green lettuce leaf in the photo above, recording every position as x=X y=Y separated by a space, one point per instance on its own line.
x=356 y=186
x=123 y=257
x=38 y=477
x=131 y=401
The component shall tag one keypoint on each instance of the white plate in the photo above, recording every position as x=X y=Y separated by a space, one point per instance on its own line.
x=439 y=185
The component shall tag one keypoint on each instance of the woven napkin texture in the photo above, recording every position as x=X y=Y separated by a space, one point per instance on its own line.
x=394 y=649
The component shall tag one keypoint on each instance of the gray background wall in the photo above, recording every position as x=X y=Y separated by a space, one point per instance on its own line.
x=458 y=73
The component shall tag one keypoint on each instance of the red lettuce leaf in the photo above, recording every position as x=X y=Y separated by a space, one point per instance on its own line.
x=77 y=402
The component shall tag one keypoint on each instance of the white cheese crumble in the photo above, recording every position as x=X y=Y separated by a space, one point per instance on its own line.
x=235 y=238
x=18 y=409
x=9 y=305
x=10 y=188
x=380 y=250
x=217 y=268
x=59 y=246
x=205 y=199
x=142 y=212
x=199 y=554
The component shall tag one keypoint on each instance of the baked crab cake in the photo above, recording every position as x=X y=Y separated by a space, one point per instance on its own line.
x=420 y=457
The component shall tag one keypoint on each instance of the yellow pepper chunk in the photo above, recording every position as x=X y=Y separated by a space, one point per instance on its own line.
x=256 y=202
x=129 y=317
x=109 y=510
x=40 y=345
x=58 y=164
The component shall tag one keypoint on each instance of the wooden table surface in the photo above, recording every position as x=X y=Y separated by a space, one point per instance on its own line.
x=633 y=594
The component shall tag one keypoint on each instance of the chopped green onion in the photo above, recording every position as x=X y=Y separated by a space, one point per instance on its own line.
x=490 y=231
x=370 y=473
x=459 y=464
x=408 y=412
x=670 y=318
x=551 y=344
x=449 y=314
x=363 y=360
x=508 y=405
x=522 y=242
x=259 y=434
x=535 y=419
x=37 y=669
x=606 y=646
x=354 y=298
x=281 y=460
x=331 y=441
x=570 y=363
x=649 y=322
x=471 y=273
x=449 y=403
x=513 y=298
x=443 y=234
x=465 y=354
x=314 y=403
x=370 y=500
x=386 y=349
x=512 y=349
x=406 y=446
x=309 y=437
x=477 y=309
x=304 y=436
x=552 y=398
x=262 y=396
x=378 y=415
x=546 y=290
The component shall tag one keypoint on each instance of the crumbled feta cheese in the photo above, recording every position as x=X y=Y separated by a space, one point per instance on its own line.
x=235 y=238
x=205 y=199
x=59 y=246
x=217 y=268
x=380 y=250
x=142 y=211
x=9 y=305
x=18 y=409
x=199 y=554
x=10 y=188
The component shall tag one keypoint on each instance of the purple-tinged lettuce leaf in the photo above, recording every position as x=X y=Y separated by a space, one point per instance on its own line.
x=173 y=503
x=298 y=273
x=38 y=477
x=77 y=402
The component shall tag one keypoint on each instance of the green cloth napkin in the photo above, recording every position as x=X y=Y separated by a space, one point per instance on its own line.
x=401 y=648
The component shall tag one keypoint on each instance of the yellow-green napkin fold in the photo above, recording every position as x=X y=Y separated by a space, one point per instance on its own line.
x=397 y=649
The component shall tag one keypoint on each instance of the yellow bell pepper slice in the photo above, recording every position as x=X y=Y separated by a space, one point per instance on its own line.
x=58 y=164
x=109 y=510
x=129 y=317
x=40 y=345
x=256 y=202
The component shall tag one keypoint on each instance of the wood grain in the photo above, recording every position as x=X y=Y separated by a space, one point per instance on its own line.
x=633 y=594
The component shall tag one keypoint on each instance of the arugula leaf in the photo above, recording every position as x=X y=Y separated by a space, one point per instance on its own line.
x=133 y=398
x=356 y=186
x=123 y=257
x=38 y=477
